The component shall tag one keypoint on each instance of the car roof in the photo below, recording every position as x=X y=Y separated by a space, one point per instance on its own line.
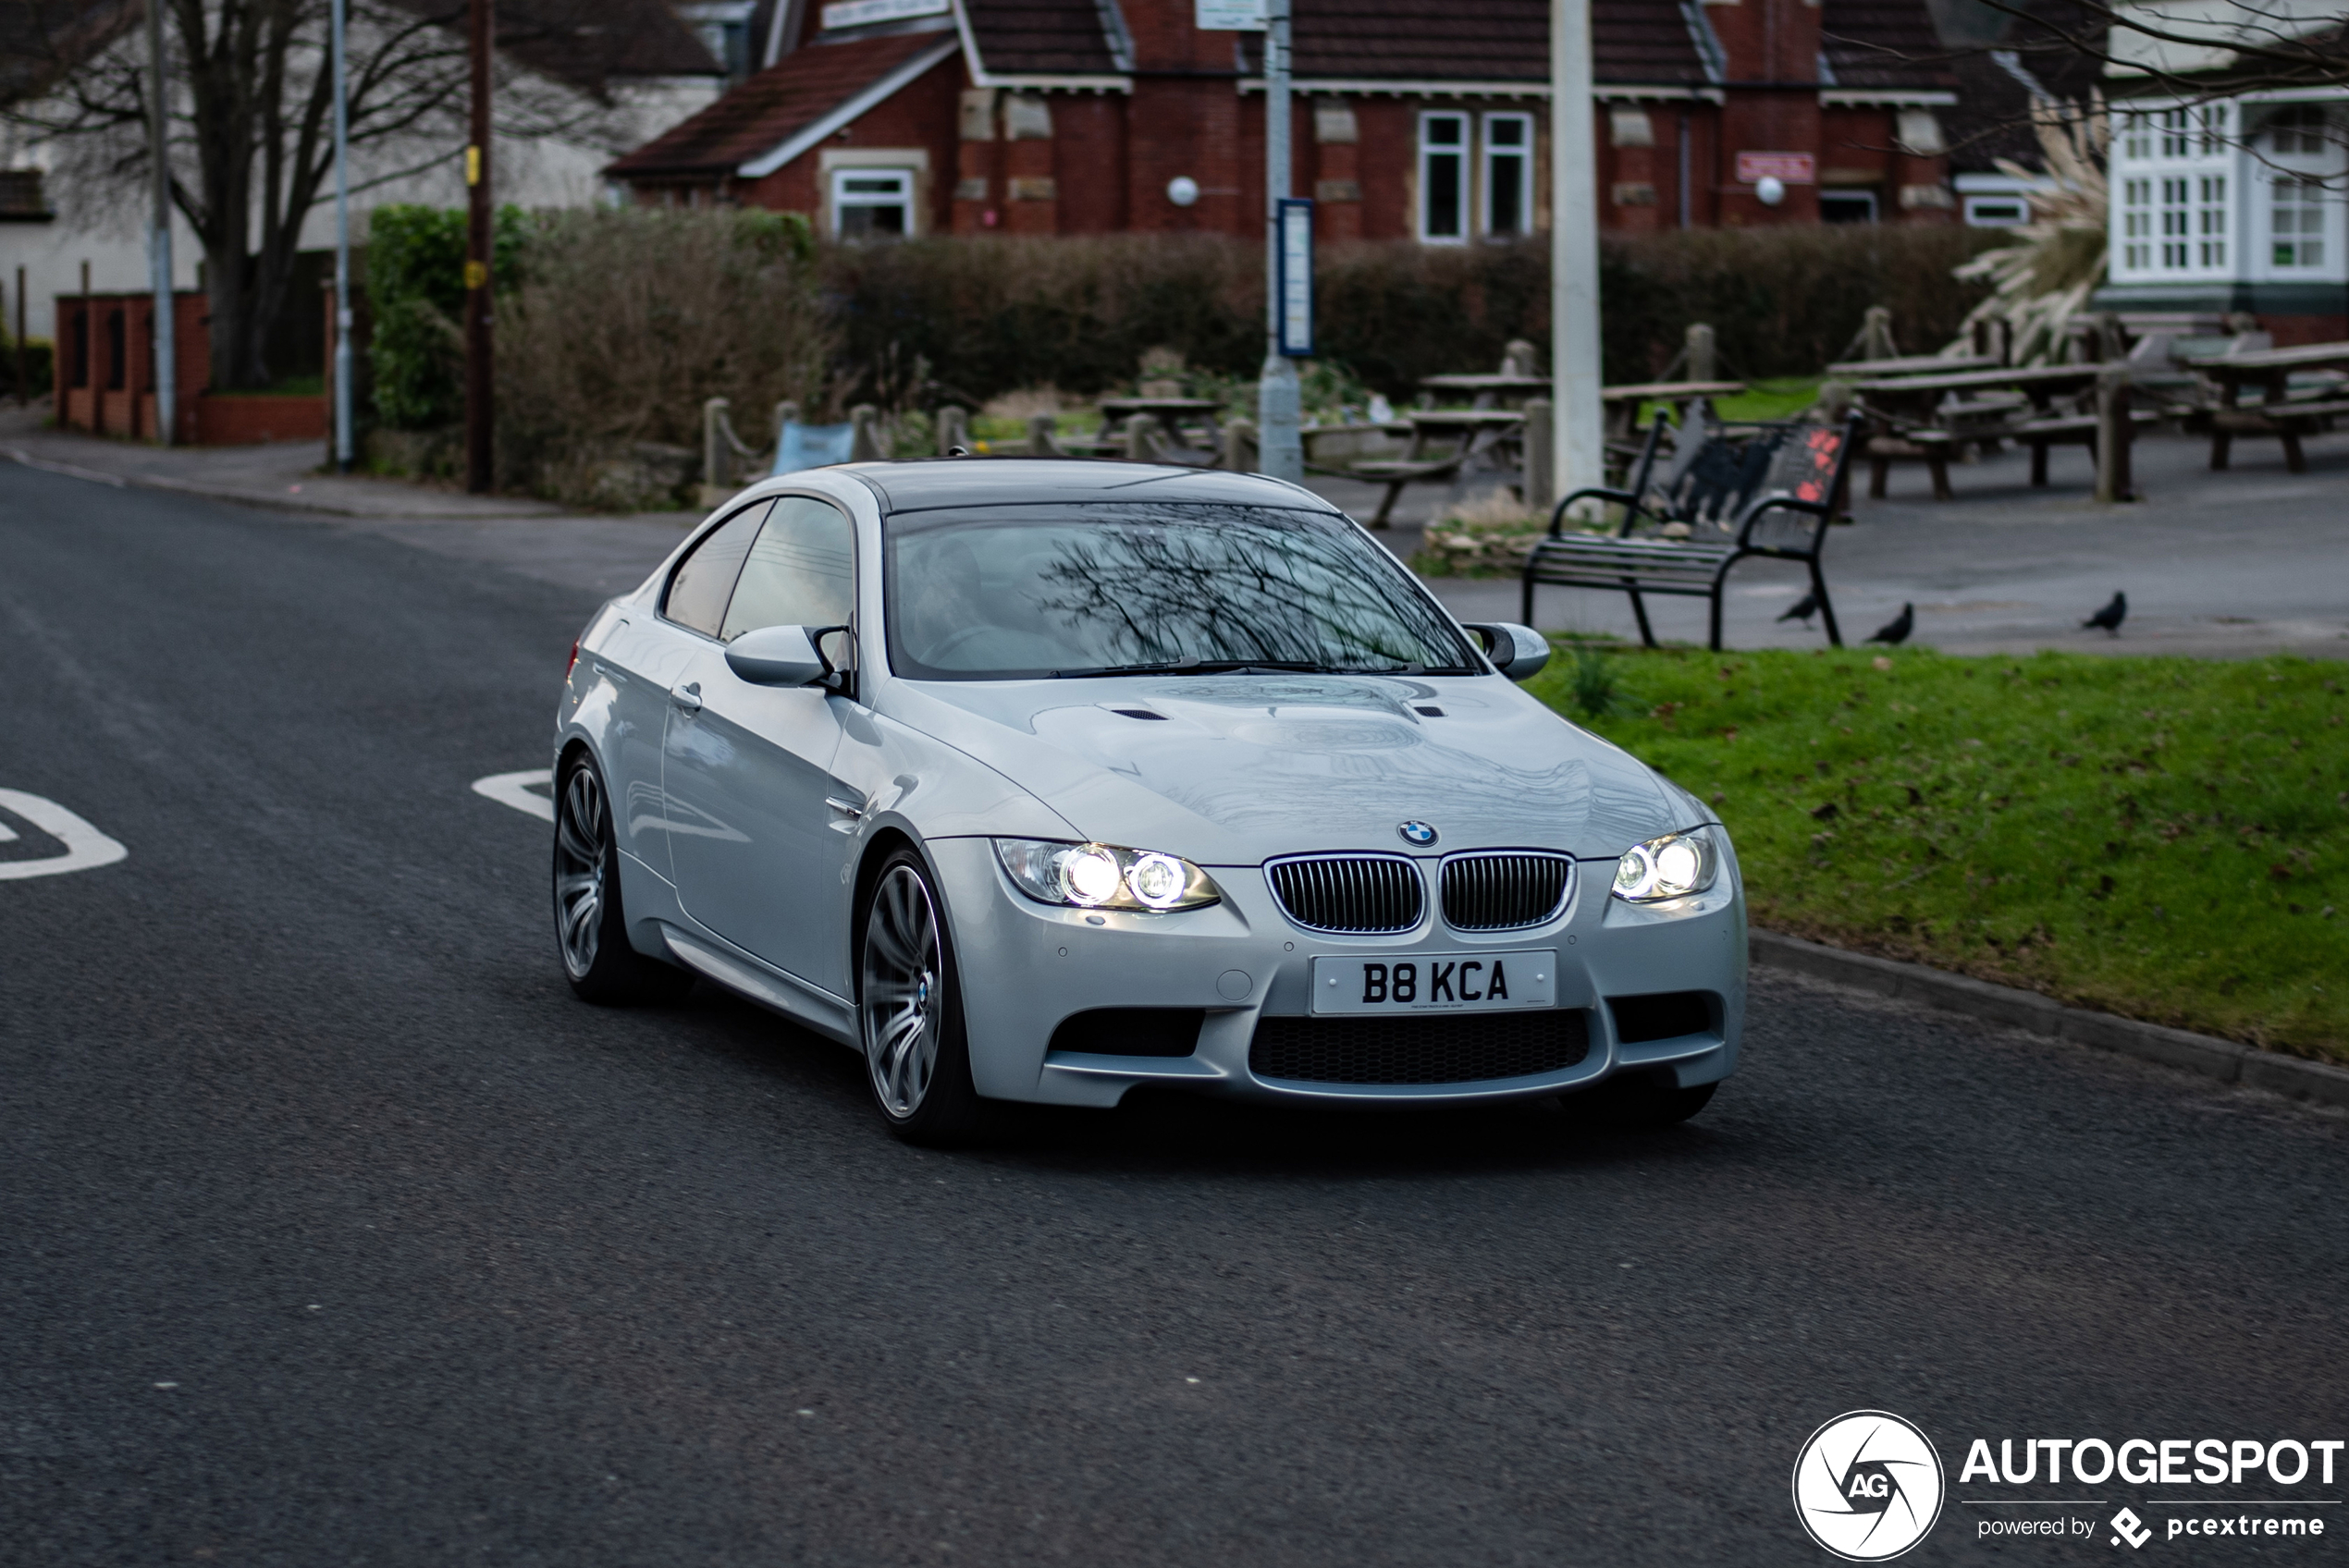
x=929 y=484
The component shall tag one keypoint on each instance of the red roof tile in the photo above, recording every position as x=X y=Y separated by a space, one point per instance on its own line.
x=764 y=111
x=1040 y=37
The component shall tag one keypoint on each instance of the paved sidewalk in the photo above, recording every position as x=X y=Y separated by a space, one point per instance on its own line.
x=2240 y=564
x=286 y=475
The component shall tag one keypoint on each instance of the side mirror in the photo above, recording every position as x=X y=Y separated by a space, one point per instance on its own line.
x=776 y=656
x=1517 y=651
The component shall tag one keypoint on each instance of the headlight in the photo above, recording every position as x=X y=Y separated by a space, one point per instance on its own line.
x=1105 y=877
x=1670 y=867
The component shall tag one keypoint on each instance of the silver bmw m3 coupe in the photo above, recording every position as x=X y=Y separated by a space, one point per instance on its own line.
x=1041 y=779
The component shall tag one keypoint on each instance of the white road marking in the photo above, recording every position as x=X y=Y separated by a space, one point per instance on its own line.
x=513 y=790
x=86 y=848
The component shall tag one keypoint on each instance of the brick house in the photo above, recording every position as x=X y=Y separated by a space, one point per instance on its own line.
x=1413 y=120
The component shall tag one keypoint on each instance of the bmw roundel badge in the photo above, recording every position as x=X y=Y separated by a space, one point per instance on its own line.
x=1418 y=835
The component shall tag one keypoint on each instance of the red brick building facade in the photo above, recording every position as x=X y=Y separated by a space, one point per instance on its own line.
x=1413 y=120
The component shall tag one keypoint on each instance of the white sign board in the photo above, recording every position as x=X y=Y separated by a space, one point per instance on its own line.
x=864 y=13
x=1229 y=16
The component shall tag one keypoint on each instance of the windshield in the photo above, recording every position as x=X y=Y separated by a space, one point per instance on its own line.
x=1024 y=592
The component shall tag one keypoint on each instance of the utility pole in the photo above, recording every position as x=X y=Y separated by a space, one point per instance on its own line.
x=480 y=384
x=165 y=328
x=1280 y=452
x=342 y=245
x=1574 y=252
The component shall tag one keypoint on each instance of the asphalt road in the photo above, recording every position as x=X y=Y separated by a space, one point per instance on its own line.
x=336 y=1231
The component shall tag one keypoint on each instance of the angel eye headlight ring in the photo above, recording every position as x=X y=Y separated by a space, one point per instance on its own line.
x=1105 y=877
x=1673 y=865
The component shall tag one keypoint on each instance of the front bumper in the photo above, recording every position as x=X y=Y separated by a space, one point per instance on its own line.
x=1025 y=967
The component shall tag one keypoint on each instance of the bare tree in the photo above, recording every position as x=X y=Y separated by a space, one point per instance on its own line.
x=251 y=128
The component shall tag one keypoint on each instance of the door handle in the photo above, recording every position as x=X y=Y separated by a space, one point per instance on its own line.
x=852 y=810
x=687 y=697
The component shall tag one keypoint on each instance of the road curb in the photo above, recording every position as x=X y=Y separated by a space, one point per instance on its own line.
x=2207 y=1055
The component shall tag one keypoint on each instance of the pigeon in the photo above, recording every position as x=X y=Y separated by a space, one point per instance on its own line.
x=1896 y=630
x=2110 y=617
x=1803 y=608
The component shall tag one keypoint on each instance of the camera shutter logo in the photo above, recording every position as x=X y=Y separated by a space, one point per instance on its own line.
x=1868 y=1486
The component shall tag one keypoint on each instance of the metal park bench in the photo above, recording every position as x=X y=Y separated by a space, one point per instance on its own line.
x=1695 y=509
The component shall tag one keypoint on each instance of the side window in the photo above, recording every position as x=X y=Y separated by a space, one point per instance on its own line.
x=801 y=572
x=698 y=594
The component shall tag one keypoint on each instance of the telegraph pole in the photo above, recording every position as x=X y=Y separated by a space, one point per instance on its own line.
x=342 y=245
x=1579 y=440
x=480 y=384
x=164 y=329
x=1280 y=451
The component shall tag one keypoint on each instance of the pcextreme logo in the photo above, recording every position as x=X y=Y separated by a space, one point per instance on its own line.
x=1868 y=1486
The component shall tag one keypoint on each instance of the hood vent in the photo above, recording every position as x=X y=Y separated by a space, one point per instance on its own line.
x=1349 y=893
x=1504 y=891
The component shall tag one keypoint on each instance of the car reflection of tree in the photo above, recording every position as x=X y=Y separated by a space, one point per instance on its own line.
x=1221 y=582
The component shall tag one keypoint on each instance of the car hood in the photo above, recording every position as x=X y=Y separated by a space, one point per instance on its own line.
x=1239 y=768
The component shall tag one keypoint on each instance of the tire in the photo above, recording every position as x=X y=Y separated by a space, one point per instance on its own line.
x=909 y=1010
x=591 y=928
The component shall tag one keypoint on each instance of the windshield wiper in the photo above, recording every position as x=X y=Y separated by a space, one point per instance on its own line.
x=1202 y=666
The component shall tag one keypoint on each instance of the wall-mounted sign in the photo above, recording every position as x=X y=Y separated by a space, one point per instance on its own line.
x=1296 y=279
x=1787 y=168
x=1229 y=16
x=864 y=13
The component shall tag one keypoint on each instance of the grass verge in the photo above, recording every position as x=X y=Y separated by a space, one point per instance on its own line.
x=2163 y=838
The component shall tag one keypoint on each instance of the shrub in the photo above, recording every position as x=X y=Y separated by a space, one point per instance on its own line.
x=987 y=316
x=415 y=265
x=622 y=323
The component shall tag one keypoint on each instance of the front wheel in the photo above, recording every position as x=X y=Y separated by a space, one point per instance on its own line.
x=591 y=928
x=910 y=1011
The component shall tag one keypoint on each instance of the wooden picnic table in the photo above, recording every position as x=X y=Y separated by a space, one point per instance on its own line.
x=1168 y=412
x=2270 y=371
x=1490 y=389
x=1907 y=417
x=1622 y=403
x=1914 y=365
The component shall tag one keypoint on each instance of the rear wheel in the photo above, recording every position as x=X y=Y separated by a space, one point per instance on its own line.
x=591 y=928
x=910 y=1010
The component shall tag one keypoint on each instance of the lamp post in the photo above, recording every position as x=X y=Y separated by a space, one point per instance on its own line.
x=163 y=328
x=1578 y=435
x=1280 y=452
x=342 y=246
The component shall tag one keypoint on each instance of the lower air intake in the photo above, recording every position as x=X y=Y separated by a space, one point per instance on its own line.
x=1440 y=1049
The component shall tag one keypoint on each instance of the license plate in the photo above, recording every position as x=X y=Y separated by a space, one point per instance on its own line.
x=1435 y=983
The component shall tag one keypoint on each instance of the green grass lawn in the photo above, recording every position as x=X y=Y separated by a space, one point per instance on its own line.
x=2166 y=839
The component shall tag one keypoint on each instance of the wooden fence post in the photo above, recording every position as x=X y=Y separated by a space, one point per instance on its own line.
x=1703 y=363
x=2115 y=430
x=1539 y=477
x=1042 y=430
x=717 y=463
x=865 y=445
x=954 y=430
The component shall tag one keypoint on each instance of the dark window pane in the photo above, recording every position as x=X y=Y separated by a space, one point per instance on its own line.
x=697 y=594
x=1506 y=133
x=1507 y=193
x=1444 y=130
x=1443 y=196
x=801 y=571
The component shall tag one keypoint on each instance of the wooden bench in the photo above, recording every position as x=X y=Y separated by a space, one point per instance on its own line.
x=1694 y=511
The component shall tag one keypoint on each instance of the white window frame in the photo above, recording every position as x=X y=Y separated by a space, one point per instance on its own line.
x=1875 y=206
x=2281 y=158
x=908 y=184
x=2177 y=179
x=1488 y=152
x=1977 y=215
x=1464 y=150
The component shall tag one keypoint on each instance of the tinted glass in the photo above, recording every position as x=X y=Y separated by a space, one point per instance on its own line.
x=1021 y=592
x=697 y=594
x=801 y=572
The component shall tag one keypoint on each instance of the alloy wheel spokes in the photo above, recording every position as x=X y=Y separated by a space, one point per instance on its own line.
x=579 y=870
x=900 y=967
